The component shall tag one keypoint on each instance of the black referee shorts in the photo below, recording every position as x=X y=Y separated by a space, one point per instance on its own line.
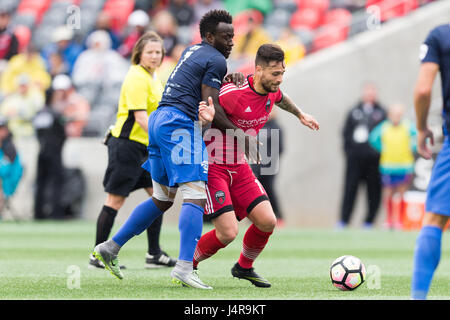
x=124 y=173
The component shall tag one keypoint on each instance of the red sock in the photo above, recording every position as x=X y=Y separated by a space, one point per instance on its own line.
x=401 y=213
x=389 y=209
x=207 y=246
x=254 y=242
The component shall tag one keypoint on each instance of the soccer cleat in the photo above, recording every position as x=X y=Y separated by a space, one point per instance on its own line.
x=159 y=260
x=95 y=263
x=190 y=280
x=110 y=261
x=249 y=274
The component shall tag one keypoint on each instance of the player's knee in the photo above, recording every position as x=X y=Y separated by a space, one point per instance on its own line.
x=162 y=205
x=268 y=224
x=114 y=201
x=227 y=235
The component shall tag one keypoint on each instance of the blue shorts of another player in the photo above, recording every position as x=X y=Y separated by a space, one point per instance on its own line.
x=438 y=192
x=176 y=150
x=394 y=180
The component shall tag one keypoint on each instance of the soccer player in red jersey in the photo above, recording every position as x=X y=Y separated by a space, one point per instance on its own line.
x=233 y=192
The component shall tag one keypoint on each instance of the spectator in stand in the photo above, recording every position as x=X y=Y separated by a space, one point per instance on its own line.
x=20 y=107
x=362 y=161
x=9 y=45
x=63 y=43
x=395 y=139
x=166 y=27
x=169 y=63
x=70 y=104
x=182 y=12
x=293 y=48
x=104 y=23
x=57 y=65
x=139 y=22
x=98 y=59
x=11 y=168
x=29 y=63
x=201 y=7
x=247 y=43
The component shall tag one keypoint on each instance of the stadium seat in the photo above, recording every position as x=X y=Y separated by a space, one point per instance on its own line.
x=25 y=19
x=327 y=36
x=119 y=10
x=241 y=19
x=278 y=18
x=307 y=18
x=341 y=16
x=320 y=5
x=23 y=35
x=395 y=8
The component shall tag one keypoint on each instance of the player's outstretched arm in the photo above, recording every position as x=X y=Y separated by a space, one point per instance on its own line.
x=288 y=105
x=422 y=101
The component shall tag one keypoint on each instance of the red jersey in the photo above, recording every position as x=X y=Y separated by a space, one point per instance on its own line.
x=246 y=109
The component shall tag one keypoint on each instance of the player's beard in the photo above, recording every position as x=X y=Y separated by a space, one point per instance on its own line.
x=267 y=86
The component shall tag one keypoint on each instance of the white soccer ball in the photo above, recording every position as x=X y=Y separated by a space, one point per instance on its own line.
x=347 y=273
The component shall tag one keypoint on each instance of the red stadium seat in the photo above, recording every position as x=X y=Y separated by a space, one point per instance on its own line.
x=327 y=36
x=306 y=18
x=119 y=10
x=396 y=8
x=339 y=17
x=372 y=2
x=23 y=35
x=241 y=19
x=321 y=5
x=35 y=7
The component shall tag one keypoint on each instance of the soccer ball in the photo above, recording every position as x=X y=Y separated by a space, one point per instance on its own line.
x=347 y=273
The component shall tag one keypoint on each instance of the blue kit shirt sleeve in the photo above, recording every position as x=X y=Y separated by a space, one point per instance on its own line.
x=216 y=70
x=430 y=49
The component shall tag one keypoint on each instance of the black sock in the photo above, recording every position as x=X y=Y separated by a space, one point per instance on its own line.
x=105 y=223
x=153 y=236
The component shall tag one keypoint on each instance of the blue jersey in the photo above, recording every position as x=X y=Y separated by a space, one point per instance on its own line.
x=199 y=64
x=436 y=48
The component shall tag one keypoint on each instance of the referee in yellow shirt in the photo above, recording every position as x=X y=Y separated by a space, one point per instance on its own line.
x=127 y=145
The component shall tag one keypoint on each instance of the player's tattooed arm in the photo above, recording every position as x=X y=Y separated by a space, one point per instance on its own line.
x=288 y=105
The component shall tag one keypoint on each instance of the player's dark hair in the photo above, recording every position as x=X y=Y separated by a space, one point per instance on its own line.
x=140 y=44
x=267 y=53
x=211 y=19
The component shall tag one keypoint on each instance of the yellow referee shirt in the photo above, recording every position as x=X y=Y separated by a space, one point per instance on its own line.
x=140 y=91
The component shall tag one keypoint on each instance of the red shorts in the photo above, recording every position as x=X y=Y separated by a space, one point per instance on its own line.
x=232 y=188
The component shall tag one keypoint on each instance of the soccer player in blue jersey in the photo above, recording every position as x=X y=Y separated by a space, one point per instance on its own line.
x=435 y=56
x=177 y=152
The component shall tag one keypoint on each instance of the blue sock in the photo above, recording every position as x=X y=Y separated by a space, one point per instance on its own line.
x=138 y=221
x=426 y=259
x=190 y=225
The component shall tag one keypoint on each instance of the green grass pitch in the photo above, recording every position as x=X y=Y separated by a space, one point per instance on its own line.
x=48 y=260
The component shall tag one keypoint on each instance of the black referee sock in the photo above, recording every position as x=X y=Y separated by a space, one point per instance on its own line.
x=105 y=223
x=153 y=236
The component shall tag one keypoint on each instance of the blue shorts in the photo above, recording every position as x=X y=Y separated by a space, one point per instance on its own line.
x=394 y=180
x=176 y=150
x=438 y=192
